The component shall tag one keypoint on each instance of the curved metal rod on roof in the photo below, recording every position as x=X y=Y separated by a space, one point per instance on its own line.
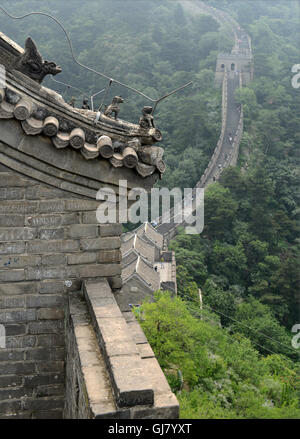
x=94 y=95
x=156 y=101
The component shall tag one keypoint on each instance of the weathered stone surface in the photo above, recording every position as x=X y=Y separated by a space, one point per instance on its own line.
x=12 y=289
x=99 y=270
x=113 y=256
x=82 y=258
x=52 y=234
x=82 y=231
x=50 y=314
x=63 y=246
x=100 y=244
x=19 y=261
x=110 y=230
x=12 y=220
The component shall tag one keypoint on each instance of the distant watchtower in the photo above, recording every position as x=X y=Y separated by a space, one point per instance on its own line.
x=241 y=62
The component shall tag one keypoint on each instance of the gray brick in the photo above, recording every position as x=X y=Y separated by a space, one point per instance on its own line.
x=51 y=206
x=10 y=381
x=52 y=220
x=17 y=234
x=14 y=316
x=45 y=301
x=19 y=261
x=54 y=390
x=12 y=275
x=49 y=234
x=46 y=327
x=51 y=287
x=12 y=220
x=9 y=406
x=11 y=329
x=100 y=243
x=82 y=258
x=18 y=207
x=45 y=354
x=55 y=259
x=11 y=355
x=51 y=366
x=43 y=379
x=48 y=414
x=17 y=288
x=110 y=230
x=50 y=314
x=12 y=247
x=44 y=404
x=22 y=368
x=89 y=218
x=11 y=179
x=13 y=302
x=39 y=192
x=100 y=270
x=64 y=246
x=25 y=341
x=82 y=231
x=11 y=193
x=81 y=205
x=45 y=273
x=105 y=256
x=50 y=340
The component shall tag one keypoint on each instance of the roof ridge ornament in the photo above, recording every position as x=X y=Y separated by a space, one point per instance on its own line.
x=32 y=64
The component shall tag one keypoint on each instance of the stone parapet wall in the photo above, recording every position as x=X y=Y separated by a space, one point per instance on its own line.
x=49 y=243
x=111 y=369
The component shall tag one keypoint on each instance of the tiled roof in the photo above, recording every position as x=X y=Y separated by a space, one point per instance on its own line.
x=148 y=232
x=41 y=111
x=144 y=271
x=141 y=246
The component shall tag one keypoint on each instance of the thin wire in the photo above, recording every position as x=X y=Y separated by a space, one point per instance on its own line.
x=156 y=101
x=228 y=335
x=243 y=324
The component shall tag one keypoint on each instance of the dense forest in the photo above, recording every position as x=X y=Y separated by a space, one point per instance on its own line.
x=232 y=357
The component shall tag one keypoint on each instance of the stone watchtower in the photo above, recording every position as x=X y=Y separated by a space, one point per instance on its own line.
x=70 y=350
x=239 y=60
x=242 y=63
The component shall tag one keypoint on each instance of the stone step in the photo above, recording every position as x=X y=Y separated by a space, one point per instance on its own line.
x=88 y=381
x=130 y=381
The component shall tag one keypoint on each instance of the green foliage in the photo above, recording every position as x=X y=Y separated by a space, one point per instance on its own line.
x=224 y=376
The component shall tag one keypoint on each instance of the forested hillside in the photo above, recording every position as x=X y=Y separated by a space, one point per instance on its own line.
x=233 y=357
x=149 y=45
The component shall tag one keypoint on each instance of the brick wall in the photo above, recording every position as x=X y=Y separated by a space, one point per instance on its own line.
x=111 y=370
x=49 y=242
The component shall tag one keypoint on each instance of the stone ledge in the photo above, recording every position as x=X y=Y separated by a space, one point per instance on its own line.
x=130 y=385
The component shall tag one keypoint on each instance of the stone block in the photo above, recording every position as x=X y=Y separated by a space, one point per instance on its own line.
x=15 y=289
x=82 y=231
x=110 y=230
x=50 y=314
x=82 y=258
x=99 y=270
x=52 y=234
x=54 y=259
x=100 y=243
x=105 y=256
